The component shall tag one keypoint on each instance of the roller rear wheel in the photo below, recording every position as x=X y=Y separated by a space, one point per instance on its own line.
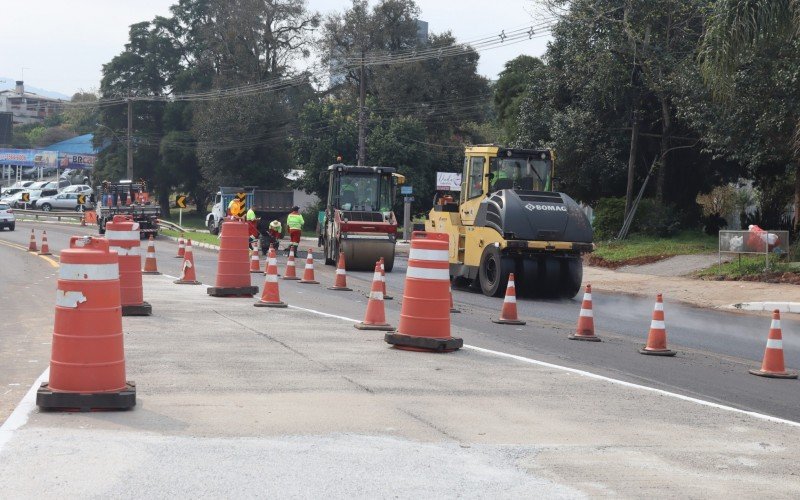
x=494 y=271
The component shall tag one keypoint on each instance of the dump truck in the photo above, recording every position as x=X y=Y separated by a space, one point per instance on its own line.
x=359 y=220
x=270 y=204
x=508 y=219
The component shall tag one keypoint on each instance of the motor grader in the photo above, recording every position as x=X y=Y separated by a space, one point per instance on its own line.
x=509 y=220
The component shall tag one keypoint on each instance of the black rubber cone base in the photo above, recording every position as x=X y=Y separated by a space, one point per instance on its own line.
x=151 y=273
x=143 y=309
x=271 y=304
x=454 y=310
x=502 y=321
x=291 y=278
x=423 y=343
x=762 y=373
x=587 y=338
x=243 y=291
x=384 y=328
x=388 y=297
x=44 y=253
x=660 y=352
x=120 y=400
x=185 y=282
x=309 y=282
x=340 y=289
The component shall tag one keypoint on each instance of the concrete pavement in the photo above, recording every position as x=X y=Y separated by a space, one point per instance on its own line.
x=241 y=402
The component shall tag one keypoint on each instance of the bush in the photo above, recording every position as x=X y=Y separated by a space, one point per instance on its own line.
x=652 y=218
x=609 y=215
x=656 y=219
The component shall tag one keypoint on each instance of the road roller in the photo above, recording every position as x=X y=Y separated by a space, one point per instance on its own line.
x=359 y=220
x=508 y=219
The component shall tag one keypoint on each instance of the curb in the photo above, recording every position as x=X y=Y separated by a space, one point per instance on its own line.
x=784 y=307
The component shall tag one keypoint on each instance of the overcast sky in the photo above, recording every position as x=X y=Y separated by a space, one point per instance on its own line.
x=62 y=44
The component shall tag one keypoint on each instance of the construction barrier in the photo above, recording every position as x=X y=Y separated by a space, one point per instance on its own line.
x=87 y=364
x=150 y=261
x=271 y=296
x=425 y=313
x=291 y=269
x=340 y=285
x=308 y=272
x=233 y=265
x=32 y=243
x=45 y=246
x=122 y=233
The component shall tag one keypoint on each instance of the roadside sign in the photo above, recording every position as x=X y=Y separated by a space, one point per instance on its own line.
x=180 y=201
x=448 y=181
x=81 y=199
x=26 y=197
x=406 y=189
x=242 y=197
x=408 y=199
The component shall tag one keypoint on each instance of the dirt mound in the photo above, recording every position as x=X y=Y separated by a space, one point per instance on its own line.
x=596 y=260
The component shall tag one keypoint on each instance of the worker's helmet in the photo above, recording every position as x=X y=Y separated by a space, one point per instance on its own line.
x=295 y=208
x=276 y=225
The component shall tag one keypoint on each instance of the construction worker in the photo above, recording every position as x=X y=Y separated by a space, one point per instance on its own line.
x=234 y=207
x=294 y=221
x=252 y=228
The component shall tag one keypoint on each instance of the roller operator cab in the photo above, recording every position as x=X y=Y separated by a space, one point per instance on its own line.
x=509 y=220
x=359 y=220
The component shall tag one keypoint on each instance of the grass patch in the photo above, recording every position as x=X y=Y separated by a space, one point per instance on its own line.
x=191 y=220
x=751 y=268
x=194 y=236
x=641 y=248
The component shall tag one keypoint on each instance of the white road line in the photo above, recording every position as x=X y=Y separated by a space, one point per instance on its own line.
x=596 y=376
x=19 y=416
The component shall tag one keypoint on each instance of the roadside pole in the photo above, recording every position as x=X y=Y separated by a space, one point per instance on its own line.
x=407 y=191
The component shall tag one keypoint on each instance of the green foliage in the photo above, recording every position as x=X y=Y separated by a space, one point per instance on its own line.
x=511 y=89
x=643 y=246
x=609 y=214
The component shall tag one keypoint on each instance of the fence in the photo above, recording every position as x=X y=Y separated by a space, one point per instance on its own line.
x=759 y=242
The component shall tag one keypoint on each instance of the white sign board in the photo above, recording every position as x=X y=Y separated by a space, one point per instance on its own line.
x=448 y=181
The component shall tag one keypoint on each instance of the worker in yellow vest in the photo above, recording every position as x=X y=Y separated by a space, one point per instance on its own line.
x=294 y=221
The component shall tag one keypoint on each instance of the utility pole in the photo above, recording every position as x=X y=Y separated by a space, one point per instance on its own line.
x=130 y=132
x=362 y=114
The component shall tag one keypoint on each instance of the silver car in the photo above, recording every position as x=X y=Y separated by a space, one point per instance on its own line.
x=7 y=218
x=63 y=201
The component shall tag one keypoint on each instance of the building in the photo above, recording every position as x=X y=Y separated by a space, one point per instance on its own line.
x=27 y=107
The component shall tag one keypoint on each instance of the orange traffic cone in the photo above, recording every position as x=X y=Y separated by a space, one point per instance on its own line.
x=452 y=305
x=773 y=366
x=386 y=296
x=188 y=275
x=508 y=315
x=425 y=313
x=181 y=248
x=291 y=271
x=150 y=263
x=585 y=329
x=32 y=244
x=271 y=296
x=308 y=273
x=255 y=264
x=657 y=338
x=233 y=274
x=375 y=317
x=87 y=363
x=45 y=247
x=341 y=276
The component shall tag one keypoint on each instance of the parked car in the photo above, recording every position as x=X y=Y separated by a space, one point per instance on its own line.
x=78 y=188
x=38 y=185
x=63 y=201
x=6 y=192
x=7 y=217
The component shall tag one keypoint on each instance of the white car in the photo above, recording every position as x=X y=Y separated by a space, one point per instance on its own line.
x=78 y=188
x=15 y=200
x=63 y=201
x=7 y=217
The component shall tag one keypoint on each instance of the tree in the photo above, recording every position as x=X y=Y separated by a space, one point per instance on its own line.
x=510 y=90
x=737 y=30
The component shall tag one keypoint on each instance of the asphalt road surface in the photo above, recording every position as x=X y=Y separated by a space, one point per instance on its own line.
x=715 y=348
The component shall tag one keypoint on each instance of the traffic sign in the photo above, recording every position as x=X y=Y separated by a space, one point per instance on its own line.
x=26 y=197
x=81 y=199
x=180 y=201
x=408 y=199
x=406 y=189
